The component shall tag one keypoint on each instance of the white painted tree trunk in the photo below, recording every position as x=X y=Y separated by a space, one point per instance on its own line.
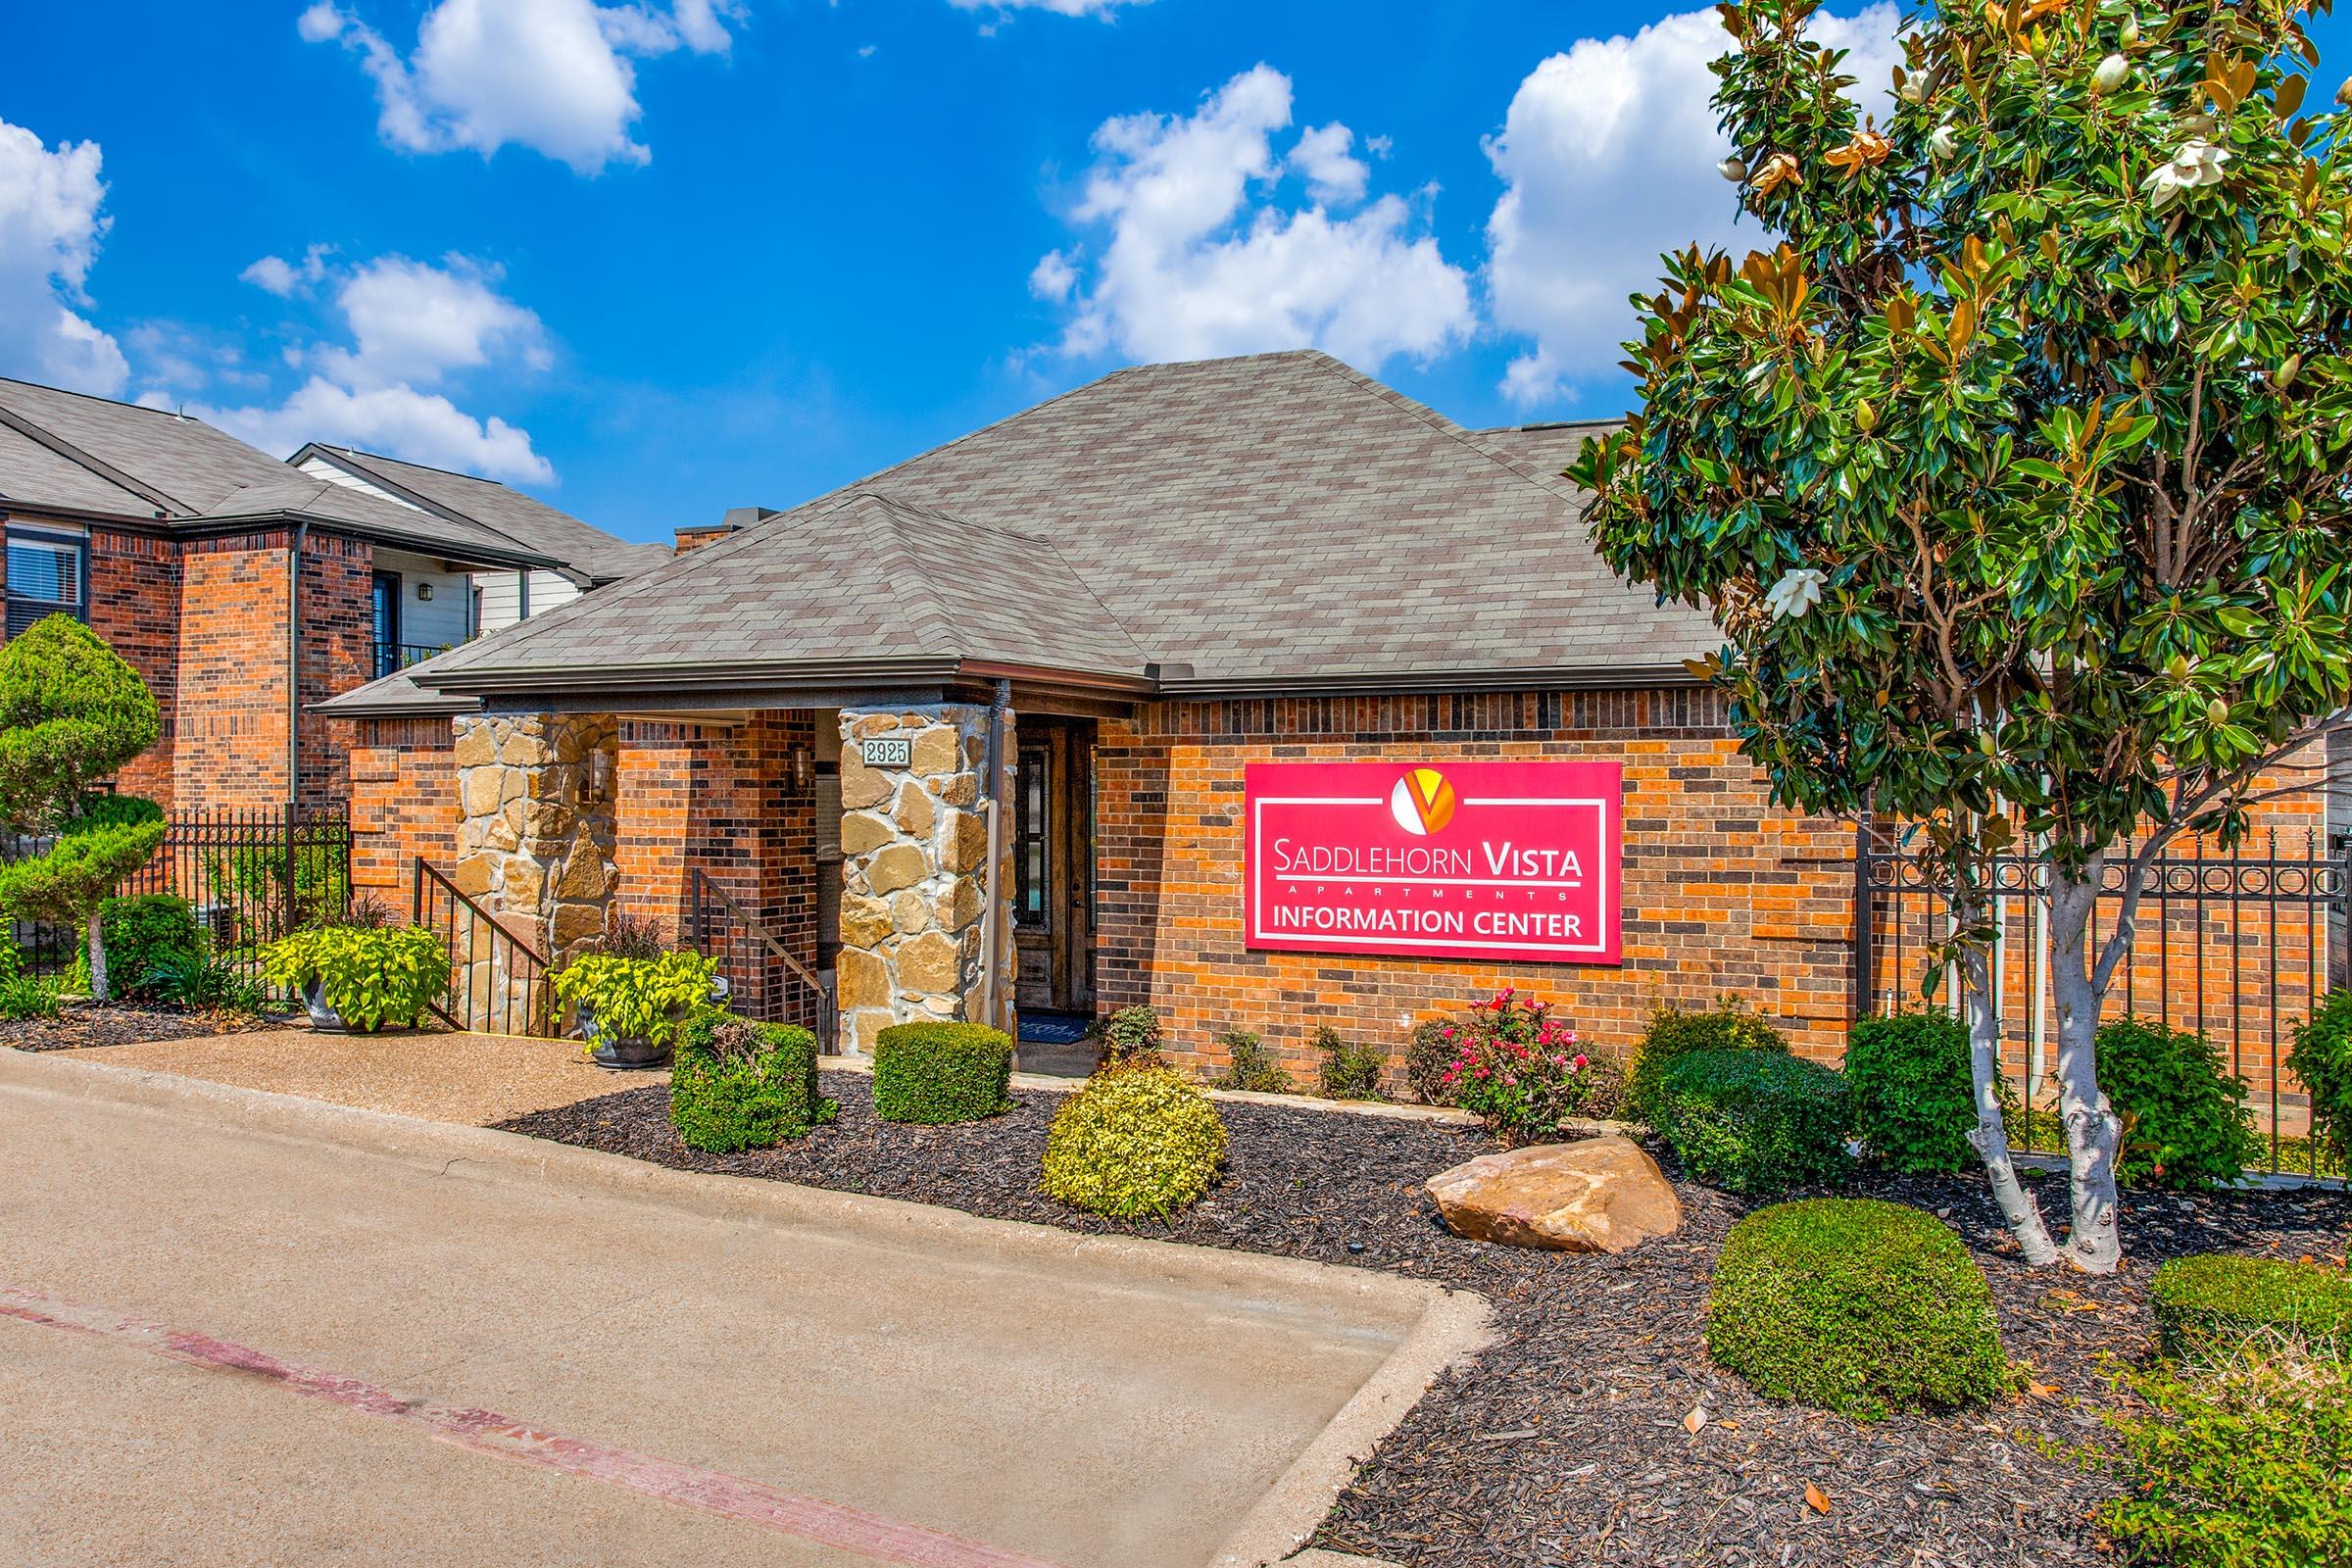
x=97 y=959
x=2093 y=1131
x=1991 y=1136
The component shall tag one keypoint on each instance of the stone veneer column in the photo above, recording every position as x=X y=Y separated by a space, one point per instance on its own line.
x=915 y=852
x=537 y=792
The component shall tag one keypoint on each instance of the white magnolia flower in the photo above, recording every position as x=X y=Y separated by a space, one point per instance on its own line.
x=1943 y=141
x=2197 y=163
x=1797 y=592
x=2110 y=73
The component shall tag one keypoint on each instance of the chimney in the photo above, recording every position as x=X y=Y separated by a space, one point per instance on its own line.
x=737 y=519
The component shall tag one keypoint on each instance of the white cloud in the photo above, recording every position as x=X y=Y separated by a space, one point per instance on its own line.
x=412 y=326
x=50 y=228
x=276 y=275
x=1060 y=8
x=1608 y=158
x=1198 y=256
x=555 y=75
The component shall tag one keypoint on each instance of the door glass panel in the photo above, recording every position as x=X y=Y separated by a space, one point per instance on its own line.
x=1032 y=826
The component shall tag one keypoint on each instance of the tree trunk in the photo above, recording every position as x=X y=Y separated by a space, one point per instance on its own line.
x=97 y=959
x=2093 y=1131
x=1991 y=1136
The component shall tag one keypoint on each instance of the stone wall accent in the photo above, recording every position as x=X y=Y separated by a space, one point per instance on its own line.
x=915 y=853
x=536 y=845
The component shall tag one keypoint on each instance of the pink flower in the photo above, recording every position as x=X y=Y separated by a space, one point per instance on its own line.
x=1481 y=1073
x=1445 y=1033
x=1582 y=1062
x=1559 y=1061
x=1509 y=1082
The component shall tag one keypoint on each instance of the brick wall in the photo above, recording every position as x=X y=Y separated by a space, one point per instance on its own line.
x=404 y=801
x=229 y=744
x=337 y=653
x=134 y=604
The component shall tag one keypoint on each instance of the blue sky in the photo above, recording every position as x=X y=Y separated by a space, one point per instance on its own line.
x=651 y=260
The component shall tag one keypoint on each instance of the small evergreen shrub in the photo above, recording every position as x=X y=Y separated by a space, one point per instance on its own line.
x=1674 y=1033
x=1132 y=1038
x=23 y=996
x=2237 y=1465
x=1915 y=1098
x=942 y=1072
x=1754 y=1121
x=369 y=977
x=1134 y=1142
x=201 y=979
x=2321 y=1059
x=736 y=1084
x=144 y=932
x=2186 y=1122
x=1348 y=1071
x=1857 y=1306
x=2215 y=1301
x=1251 y=1066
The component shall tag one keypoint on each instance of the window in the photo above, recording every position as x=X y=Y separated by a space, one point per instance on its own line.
x=48 y=574
x=1032 y=821
x=387 y=624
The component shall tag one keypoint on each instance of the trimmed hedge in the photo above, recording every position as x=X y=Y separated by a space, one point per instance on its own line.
x=736 y=1084
x=2186 y=1123
x=1754 y=1121
x=146 y=932
x=1855 y=1305
x=1674 y=1034
x=1915 y=1098
x=1135 y=1141
x=2216 y=1301
x=942 y=1072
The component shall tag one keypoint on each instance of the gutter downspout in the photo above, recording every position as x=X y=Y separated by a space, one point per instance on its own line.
x=991 y=930
x=302 y=534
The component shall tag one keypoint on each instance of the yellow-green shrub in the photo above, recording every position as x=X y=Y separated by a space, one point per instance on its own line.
x=1134 y=1140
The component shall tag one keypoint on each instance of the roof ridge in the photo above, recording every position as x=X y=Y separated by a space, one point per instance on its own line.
x=1444 y=426
x=428 y=467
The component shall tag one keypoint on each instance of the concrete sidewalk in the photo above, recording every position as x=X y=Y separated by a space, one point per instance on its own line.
x=237 y=1328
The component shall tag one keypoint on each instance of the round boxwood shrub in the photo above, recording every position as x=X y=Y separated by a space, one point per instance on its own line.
x=1674 y=1033
x=1135 y=1141
x=2218 y=1301
x=738 y=1084
x=2186 y=1120
x=1857 y=1306
x=1915 y=1100
x=1754 y=1121
x=2322 y=1060
x=942 y=1072
x=147 y=935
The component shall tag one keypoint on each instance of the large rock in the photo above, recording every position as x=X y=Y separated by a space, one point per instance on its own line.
x=1601 y=1195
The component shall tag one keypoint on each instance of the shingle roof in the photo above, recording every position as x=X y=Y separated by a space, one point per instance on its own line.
x=1549 y=447
x=595 y=553
x=1271 y=521
x=193 y=473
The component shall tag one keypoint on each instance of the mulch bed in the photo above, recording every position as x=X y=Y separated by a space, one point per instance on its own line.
x=125 y=1024
x=1564 y=1443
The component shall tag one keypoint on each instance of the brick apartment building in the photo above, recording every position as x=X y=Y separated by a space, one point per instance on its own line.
x=1149 y=619
x=247 y=590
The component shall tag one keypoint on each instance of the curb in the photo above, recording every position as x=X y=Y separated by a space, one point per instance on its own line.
x=1438 y=1327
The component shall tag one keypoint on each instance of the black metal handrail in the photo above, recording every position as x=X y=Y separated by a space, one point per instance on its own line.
x=391 y=657
x=498 y=983
x=723 y=931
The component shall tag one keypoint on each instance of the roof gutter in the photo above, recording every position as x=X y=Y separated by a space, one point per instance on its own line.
x=1432 y=682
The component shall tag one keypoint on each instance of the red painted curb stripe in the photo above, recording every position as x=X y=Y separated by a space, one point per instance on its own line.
x=503 y=1436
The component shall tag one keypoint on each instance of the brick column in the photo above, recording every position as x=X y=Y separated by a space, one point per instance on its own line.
x=536 y=846
x=915 y=852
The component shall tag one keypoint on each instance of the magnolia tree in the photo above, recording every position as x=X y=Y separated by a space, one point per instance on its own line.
x=72 y=713
x=2015 y=476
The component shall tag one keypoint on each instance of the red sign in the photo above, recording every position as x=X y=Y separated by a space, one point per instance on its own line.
x=1508 y=862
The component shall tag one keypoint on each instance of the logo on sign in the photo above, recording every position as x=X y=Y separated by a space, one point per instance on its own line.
x=1495 y=861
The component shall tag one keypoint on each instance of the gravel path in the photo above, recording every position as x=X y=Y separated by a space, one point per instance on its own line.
x=1564 y=1443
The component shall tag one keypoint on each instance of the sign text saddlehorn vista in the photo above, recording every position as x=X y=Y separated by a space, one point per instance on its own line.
x=1503 y=862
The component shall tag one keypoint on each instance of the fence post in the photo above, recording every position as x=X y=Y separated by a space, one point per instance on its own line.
x=1864 y=912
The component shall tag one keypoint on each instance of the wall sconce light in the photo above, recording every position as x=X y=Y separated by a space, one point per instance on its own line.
x=424 y=591
x=803 y=764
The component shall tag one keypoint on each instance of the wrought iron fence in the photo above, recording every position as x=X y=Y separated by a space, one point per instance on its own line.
x=765 y=981
x=498 y=983
x=2238 y=946
x=250 y=875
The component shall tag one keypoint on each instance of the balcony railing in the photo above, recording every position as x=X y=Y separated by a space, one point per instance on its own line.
x=392 y=657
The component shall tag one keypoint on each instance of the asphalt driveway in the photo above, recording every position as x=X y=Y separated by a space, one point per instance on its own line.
x=237 y=1328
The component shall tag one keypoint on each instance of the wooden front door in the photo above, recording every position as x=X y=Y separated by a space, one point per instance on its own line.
x=1052 y=857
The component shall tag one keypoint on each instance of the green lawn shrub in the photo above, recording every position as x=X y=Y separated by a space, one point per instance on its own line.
x=1132 y=1036
x=1754 y=1120
x=1249 y=1065
x=2186 y=1122
x=1674 y=1033
x=2239 y=1463
x=143 y=933
x=1915 y=1100
x=1428 y=1055
x=369 y=977
x=23 y=996
x=1348 y=1070
x=2210 y=1304
x=942 y=1072
x=736 y=1084
x=1854 y=1305
x=2322 y=1060
x=1134 y=1142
